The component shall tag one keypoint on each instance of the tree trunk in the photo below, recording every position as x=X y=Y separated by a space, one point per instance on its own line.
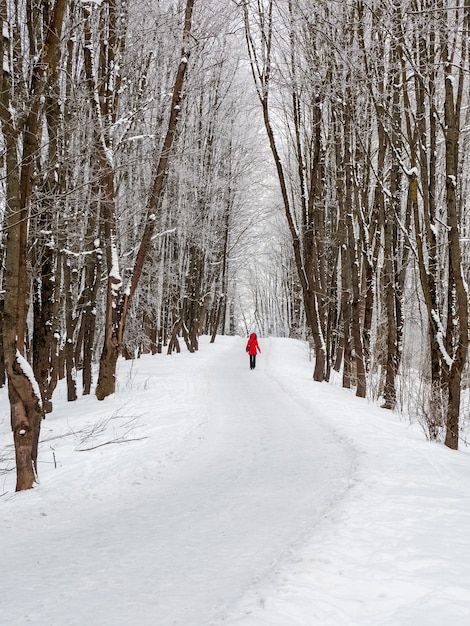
x=457 y=283
x=2 y=353
x=115 y=320
x=24 y=394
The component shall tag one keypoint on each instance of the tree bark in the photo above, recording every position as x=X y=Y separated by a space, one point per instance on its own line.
x=457 y=283
x=25 y=398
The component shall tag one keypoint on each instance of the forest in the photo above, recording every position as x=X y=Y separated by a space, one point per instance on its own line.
x=179 y=168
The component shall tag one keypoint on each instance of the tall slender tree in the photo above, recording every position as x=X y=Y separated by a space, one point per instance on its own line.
x=22 y=143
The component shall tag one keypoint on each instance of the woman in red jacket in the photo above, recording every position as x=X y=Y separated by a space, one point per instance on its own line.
x=252 y=348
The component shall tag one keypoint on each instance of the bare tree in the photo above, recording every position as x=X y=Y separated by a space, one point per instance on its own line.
x=455 y=54
x=118 y=300
x=22 y=138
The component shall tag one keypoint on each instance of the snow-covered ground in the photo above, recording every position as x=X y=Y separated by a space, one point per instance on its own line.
x=203 y=493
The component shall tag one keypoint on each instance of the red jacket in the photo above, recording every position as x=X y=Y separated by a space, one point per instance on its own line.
x=252 y=346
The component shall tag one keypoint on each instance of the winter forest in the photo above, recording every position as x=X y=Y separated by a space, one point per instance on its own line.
x=297 y=168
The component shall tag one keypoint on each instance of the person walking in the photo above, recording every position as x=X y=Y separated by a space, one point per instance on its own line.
x=252 y=347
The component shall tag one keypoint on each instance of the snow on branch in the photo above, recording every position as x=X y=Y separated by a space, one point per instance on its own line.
x=114 y=273
x=163 y=233
x=410 y=172
x=440 y=339
x=27 y=372
x=79 y=254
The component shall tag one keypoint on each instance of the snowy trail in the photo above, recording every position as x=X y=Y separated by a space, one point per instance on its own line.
x=256 y=486
x=183 y=543
x=204 y=494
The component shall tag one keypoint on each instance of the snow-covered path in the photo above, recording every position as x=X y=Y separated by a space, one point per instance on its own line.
x=204 y=494
x=171 y=530
x=238 y=503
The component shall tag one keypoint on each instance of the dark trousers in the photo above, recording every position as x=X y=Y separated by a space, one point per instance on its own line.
x=252 y=361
